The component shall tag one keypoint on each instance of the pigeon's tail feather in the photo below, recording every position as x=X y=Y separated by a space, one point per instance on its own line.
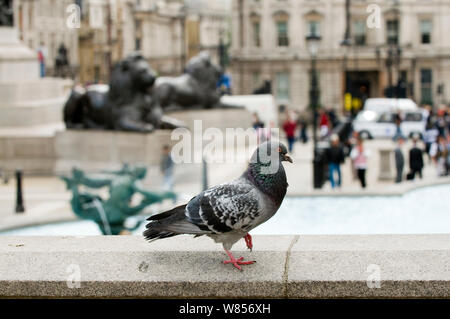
x=166 y=214
x=153 y=234
x=169 y=224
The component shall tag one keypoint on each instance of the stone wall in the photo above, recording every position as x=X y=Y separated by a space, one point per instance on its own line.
x=358 y=266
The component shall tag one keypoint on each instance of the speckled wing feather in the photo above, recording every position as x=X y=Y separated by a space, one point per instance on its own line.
x=225 y=207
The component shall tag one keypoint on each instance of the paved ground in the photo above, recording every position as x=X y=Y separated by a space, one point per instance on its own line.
x=46 y=198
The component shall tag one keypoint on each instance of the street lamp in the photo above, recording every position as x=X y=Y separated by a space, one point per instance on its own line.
x=346 y=43
x=313 y=42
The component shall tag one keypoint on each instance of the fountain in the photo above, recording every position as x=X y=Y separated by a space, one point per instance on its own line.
x=110 y=214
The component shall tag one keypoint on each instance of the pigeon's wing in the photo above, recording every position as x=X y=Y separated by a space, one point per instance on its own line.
x=225 y=207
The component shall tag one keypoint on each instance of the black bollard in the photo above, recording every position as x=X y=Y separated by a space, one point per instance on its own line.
x=319 y=168
x=19 y=199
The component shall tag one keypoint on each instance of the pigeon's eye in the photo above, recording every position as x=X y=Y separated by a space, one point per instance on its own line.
x=279 y=150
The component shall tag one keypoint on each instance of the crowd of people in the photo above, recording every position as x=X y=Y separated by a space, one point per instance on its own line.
x=295 y=125
x=433 y=144
x=436 y=139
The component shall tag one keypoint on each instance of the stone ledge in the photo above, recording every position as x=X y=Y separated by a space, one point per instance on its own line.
x=287 y=267
x=382 y=189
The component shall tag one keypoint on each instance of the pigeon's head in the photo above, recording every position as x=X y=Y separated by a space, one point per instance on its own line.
x=269 y=155
x=282 y=151
x=273 y=150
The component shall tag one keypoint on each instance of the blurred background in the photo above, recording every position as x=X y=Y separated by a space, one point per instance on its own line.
x=358 y=90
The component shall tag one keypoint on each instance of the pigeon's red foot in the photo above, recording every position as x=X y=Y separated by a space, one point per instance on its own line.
x=248 y=241
x=237 y=262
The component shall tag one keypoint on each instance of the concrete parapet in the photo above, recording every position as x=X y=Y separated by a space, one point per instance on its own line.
x=287 y=267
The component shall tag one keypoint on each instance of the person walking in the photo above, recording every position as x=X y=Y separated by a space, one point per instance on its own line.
x=334 y=120
x=430 y=136
x=415 y=159
x=258 y=126
x=398 y=119
x=351 y=144
x=399 y=159
x=324 y=123
x=335 y=157
x=360 y=155
x=167 y=168
x=42 y=55
x=440 y=123
x=303 y=126
x=439 y=154
x=257 y=123
x=447 y=163
x=289 y=128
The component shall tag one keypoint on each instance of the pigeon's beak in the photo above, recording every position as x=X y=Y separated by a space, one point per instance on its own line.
x=287 y=158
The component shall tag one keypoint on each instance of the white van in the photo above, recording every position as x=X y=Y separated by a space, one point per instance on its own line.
x=371 y=124
x=380 y=105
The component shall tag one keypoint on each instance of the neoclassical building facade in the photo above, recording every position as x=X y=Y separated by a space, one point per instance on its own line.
x=402 y=42
x=166 y=32
x=42 y=23
x=169 y=32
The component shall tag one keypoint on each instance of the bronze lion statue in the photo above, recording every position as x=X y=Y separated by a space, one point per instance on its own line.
x=195 y=89
x=126 y=104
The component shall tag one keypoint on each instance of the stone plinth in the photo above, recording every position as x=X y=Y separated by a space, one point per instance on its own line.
x=26 y=99
x=15 y=111
x=386 y=164
x=215 y=118
x=96 y=150
x=358 y=266
x=31 y=154
x=17 y=62
x=28 y=148
x=48 y=149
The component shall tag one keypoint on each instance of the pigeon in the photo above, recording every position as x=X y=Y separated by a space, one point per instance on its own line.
x=227 y=212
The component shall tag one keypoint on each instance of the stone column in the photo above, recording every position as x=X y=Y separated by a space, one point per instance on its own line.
x=17 y=62
x=385 y=165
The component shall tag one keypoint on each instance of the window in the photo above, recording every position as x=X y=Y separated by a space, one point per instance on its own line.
x=386 y=118
x=137 y=25
x=404 y=76
x=282 y=30
x=256 y=79
x=413 y=117
x=137 y=45
x=313 y=28
x=359 y=30
x=425 y=31
x=282 y=84
x=392 y=31
x=256 y=34
x=138 y=33
x=426 y=80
